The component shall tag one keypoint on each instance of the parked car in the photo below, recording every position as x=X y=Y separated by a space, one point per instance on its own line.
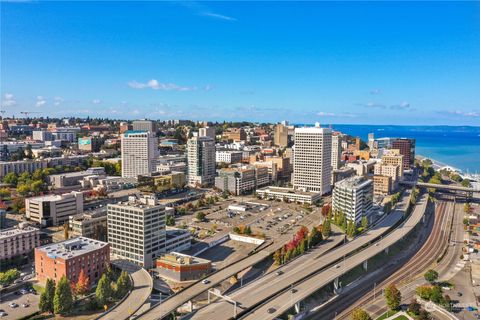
x=13 y=305
x=271 y=310
x=25 y=305
x=205 y=281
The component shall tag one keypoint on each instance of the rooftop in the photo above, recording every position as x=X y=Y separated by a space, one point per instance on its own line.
x=353 y=182
x=72 y=248
x=7 y=233
x=182 y=259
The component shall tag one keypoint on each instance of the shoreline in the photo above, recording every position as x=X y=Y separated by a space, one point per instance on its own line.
x=437 y=165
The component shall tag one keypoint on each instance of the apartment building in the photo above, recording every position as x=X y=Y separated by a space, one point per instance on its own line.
x=139 y=152
x=353 y=197
x=144 y=125
x=201 y=161
x=382 y=185
x=69 y=179
x=280 y=135
x=19 y=167
x=241 y=180
x=53 y=210
x=406 y=148
x=312 y=168
x=228 y=156
x=68 y=258
x=91 y=224
x=336 y=151
x=207 y=132
x=18 y=241
x=235 y=134
x=393 y=158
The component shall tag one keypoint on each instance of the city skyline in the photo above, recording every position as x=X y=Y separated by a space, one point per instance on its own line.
x=352 y=63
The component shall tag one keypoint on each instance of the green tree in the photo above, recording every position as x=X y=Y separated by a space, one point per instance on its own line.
x=11 y=178
x=431 y=276
x=104 y=293
x=393 y=297
x=466 y=183
x=63 y=299
x=436 y=295
x=124 y=284
x=200 y=216
x=326 y=228
x=36 y=186
x=424 y=292
x=351 y=229
x=46 y=298
x=360 y=314
x=170 y=220
x=23 y=189
x=9 y=276
x=364 y=223
x=314 y=238
x=5 y=193
x=424 y=315
x=414 y=307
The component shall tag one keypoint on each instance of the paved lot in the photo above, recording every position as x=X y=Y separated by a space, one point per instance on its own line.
x=18 y=312
x=227 y=253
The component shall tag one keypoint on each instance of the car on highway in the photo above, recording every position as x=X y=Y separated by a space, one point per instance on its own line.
x=13 y=305
x=337 y=266
x=25 y=305
x=205 y=281
x=459 y=294
x=279 y=272
x=3 y=314
x=23 y=291
x=271 y=310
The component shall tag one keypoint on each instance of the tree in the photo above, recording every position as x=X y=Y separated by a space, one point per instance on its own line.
x=18 y=203
x=314 y=238
x=36 y=186
x=431 y=276
x=393 y=297
x=103 y=293
x=424 y=315
x=424 y=292
x=364 y=223
x=466 y=183
x=10 y=178
x=63 y=299
x=447 y=302
x=277 y=257
x=200 y=216
x=9 y=276
x=170 y=220
x=351 y=229
x=46 y=298
x=360 y=314
x=414 y=307
x=5 y=193
x=124 y=284
x=436 y=295
x=83 y=283
x=326 y=228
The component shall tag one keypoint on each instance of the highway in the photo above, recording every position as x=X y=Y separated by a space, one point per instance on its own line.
x=284 y=301
x=254 y=293
x=173 y=302
x=142 y=288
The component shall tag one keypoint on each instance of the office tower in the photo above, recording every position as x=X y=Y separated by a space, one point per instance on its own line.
x=371 y=141
x=354 y=197
x=207 y=132
x=136 y=230
x=144 y=125
x=280 y=137
x=53 y=209
x=336 y=151
x=201 y=161
x=407 y=150
x=312 y=168
x=393 y=158
x=139 y=150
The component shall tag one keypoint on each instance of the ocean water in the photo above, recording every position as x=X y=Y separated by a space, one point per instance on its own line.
x=457 y=146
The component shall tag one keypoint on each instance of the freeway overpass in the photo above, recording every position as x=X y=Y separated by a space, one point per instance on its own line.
x=254 y=293
x=469 y=192
x=288 y=298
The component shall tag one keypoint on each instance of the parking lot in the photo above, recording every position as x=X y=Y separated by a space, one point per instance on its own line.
x=25 y=304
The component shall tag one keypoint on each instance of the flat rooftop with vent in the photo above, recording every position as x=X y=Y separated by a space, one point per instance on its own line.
x=69 y=257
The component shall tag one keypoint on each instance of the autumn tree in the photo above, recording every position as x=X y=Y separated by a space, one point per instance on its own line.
x=83 y=283
x=360 y=314
x=393 y=297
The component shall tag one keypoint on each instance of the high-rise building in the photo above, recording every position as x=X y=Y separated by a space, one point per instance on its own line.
x=144 y=125
x=139 y=151
x=136 y=230
x=407 y=150
x=393 y=158
x=201 y=161
x=53 y=210
x=207 y=132
x=336 y=151
x=312 y=168
x=280 y=137
x=354 y=197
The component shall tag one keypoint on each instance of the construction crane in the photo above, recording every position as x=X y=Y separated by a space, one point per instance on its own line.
x=26 y=113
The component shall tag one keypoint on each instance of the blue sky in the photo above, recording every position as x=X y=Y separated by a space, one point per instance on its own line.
x=332 y=62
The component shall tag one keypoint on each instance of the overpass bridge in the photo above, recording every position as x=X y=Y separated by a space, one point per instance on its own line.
x=468 y=192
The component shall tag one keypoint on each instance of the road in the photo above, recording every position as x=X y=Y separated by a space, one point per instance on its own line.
x=172 y=303
x=143 y=285
x=284 y=301
x=269 y=285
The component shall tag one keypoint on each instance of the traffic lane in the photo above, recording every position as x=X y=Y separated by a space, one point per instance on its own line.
x=15 y=313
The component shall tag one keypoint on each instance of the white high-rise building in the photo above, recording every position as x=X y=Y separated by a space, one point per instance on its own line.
x=207 y=132
x=136 y=230
x=354 y=197
x=139 y=151
x=313 y=165
x=201 y=161
x=336 y=151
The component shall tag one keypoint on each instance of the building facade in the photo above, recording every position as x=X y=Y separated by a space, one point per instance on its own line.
x=353 y=197
x=181 y=267
x=241 y=180
x=91 y=225
x=201 y=161
x=207 y=132
x=18 y=241
x=53 y=210
x=407 y=150
x=382 y=185
x=18 y=167
x=139 y=152
x=228 y=156
x=145 y=125
x=280 y=135
x=136 y=230
x=312 y=168
x=68 y=258
x=336 y=151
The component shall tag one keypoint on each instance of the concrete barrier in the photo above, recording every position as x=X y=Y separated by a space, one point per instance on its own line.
x=246 y=239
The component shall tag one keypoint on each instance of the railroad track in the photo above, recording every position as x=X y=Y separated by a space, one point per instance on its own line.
x=427 y=255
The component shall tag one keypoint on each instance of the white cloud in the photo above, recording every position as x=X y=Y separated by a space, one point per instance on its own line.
x=471 y=114
x=339 y=115
x=96 y=101
x=217 y=16
x=8 y=100
x=155 y=85
x=57 y=101
x=326 y=114
x=402 y=106
x=40 y=101
x=372 y=105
